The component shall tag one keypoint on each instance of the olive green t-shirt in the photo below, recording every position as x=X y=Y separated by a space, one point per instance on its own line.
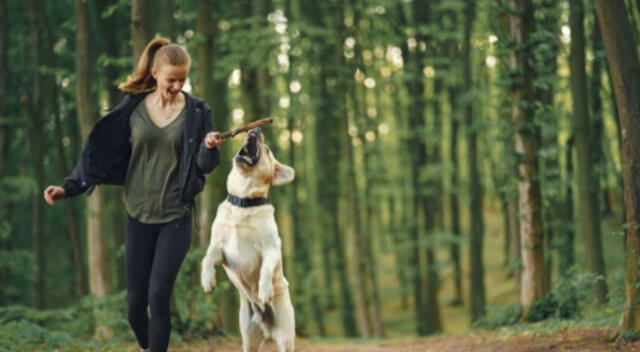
x=151 y=188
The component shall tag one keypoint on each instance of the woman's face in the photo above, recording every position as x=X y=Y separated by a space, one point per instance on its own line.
x=170 y=79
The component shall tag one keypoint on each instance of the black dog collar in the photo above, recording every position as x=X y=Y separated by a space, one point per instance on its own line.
x=246 y=202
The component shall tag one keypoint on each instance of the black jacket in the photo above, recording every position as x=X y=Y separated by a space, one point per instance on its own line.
x=107 y=151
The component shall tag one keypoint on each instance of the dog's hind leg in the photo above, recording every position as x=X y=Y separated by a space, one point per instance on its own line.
x=208 y=274
x=284 y=341
x=283 y=331
x=252 y=337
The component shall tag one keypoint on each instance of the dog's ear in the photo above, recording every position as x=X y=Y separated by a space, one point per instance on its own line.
x=282 y=174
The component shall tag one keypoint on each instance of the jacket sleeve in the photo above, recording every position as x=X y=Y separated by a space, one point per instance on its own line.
x=206 y=159
x=76 y=183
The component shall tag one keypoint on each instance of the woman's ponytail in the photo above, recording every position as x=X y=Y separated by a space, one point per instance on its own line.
x=142 y=80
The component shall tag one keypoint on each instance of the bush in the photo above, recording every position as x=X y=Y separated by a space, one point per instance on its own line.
x=566 y=299
x=192 y=316
x=504 y=315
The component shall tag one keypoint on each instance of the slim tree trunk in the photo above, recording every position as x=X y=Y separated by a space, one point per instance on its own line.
x=566 y=249
x=74 y=242
x=588 y=188
x=597 y=125
x=168 y=28
x=328 y=153
x=417 y=147
x=425 y=293
x=476 y=266
x=454 y=213
x=520 y=24
x=5 y=131
x=36 y=121
x=141 y=21
x=204 y=88
x=623 y=62
x=98 y=283
x=454 y=247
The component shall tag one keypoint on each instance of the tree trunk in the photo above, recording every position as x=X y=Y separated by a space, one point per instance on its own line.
x=141 y=22
x=520 y=26
x=328 y=153
x=427 y=315
x=454 y=247
x=476 y=266
x=168 y=28
x=454 y=214
x=5 y=131
x=566 y=249
x=366 y=288
x=98 y=284
x=588 y=188
x=415 y=87
x=35 y=122
x=75 y=244
x=204 y=88
x=597 y=126
x=624 y=65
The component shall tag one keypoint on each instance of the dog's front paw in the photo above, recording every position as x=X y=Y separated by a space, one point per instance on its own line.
x=264 y=293
x=207 y=276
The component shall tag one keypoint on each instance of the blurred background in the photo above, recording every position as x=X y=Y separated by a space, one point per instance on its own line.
x=434 y=142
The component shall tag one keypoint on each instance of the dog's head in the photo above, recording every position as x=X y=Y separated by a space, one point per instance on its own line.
x=255 y=168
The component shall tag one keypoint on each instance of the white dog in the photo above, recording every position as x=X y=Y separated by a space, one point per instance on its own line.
x=245 y=241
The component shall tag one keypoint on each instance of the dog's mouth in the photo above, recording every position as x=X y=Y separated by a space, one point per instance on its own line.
x=249 y=154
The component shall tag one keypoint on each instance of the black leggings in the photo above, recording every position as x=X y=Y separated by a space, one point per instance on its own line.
x=154 y=253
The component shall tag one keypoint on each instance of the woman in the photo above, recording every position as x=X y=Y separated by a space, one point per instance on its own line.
x=158 y=143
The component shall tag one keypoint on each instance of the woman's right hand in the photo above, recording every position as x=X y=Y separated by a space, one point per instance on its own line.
x=53 y=193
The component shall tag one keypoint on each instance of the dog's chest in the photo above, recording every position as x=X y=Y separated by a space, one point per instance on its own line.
x=242 y=256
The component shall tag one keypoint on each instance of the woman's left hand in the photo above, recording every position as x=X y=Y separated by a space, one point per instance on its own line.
x=213 y=140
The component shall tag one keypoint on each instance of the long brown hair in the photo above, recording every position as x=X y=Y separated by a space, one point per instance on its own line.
x=158 y=52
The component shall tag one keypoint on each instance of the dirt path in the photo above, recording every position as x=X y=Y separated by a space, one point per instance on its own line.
x=574 y=340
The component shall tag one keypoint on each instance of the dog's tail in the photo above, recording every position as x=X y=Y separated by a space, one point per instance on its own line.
x=262 y=317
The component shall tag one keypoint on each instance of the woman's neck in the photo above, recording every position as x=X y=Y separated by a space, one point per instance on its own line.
x=161 y=102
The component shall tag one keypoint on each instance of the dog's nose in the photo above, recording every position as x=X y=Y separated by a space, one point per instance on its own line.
x=255 y=131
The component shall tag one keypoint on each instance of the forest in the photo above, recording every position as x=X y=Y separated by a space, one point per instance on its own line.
x=467 y=172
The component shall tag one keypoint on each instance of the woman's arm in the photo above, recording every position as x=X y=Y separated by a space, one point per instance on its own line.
x=208 y=156
x=73 y=185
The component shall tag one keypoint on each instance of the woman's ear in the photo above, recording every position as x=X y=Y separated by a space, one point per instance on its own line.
x=154 y=73
x=282 y=174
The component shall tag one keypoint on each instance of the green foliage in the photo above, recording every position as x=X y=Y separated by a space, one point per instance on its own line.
x=566 y=299
x=498 y=316
x=194 y=310
x=628 y=336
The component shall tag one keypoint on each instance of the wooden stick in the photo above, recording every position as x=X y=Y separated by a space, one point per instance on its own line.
x=246 y=127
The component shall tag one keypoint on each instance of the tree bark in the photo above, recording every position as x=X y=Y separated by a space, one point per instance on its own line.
x=79 y=287
x=520 y=25
x=624 y=65
x=35 y=122
x=97 y=258
x=566 y=249
x=588 y=188
x=427 y=314
x=168 y=28
x=453 y=88
x=141 y=21
x=204 y=88
x=327 y=140
x=476 y=266
x=366 y=291
x=5 y=137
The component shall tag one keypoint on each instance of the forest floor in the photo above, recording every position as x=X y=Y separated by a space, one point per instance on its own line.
x=594 y=340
